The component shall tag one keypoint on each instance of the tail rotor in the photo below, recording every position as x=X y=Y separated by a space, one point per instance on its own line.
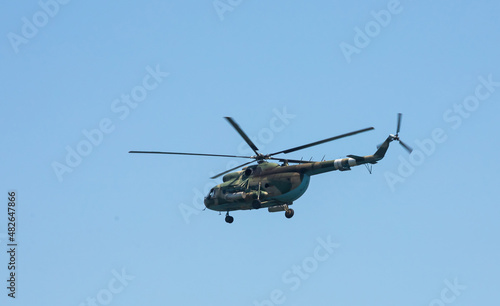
x=396 y=137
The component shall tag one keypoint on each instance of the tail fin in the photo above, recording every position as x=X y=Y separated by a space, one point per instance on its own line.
x=380 y=153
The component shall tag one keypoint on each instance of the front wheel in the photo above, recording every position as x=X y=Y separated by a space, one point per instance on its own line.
x=229 y=219
x=289 y=213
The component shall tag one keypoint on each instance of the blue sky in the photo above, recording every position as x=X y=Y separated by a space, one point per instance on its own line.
x=112 y=228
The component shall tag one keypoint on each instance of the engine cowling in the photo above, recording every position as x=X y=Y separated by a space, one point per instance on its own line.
x=231 y=176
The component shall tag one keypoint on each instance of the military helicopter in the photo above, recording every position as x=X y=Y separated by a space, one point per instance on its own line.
x=276 y=186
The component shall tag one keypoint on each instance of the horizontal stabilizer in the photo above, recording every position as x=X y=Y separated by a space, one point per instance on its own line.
x=357 y=158
x=354 y=156
x=362 y=159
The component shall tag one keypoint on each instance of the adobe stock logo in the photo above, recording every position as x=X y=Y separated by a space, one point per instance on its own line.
x=122 y=107
x=449 y=294
x=115 y=286
x=454 y=116
x=223 y=6
x=372 y=29
x=30 y=27
x=300 y=273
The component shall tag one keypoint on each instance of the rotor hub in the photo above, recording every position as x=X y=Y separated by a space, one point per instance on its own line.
x=394 y=137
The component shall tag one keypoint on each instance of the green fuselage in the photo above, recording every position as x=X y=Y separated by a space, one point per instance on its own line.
x=275 y=184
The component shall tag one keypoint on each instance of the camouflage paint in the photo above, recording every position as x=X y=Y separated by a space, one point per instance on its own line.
x=275 y=184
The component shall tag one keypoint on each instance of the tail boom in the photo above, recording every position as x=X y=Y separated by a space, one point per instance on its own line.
x=345 y=164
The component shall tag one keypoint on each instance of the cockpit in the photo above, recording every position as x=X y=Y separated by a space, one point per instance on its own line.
x=211 y=194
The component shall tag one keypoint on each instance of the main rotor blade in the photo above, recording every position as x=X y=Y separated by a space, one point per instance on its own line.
x=293 y=160
x=322 y=141
x=227 y=171
x=407 y=147
x=242 y=134
x=399 y=123
x=197 y=154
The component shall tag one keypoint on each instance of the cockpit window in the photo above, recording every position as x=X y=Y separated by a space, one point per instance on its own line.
x=211 y=193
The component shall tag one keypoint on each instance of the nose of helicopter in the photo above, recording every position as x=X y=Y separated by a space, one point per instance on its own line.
x=207 y=202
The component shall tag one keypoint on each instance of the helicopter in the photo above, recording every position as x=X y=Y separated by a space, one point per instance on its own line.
x=276 y=186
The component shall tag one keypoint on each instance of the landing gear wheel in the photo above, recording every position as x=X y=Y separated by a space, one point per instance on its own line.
x=229 y=219
x=289 y=213
x=256 y=204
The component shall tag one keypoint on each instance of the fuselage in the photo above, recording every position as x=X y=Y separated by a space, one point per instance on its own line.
x=271 y=183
